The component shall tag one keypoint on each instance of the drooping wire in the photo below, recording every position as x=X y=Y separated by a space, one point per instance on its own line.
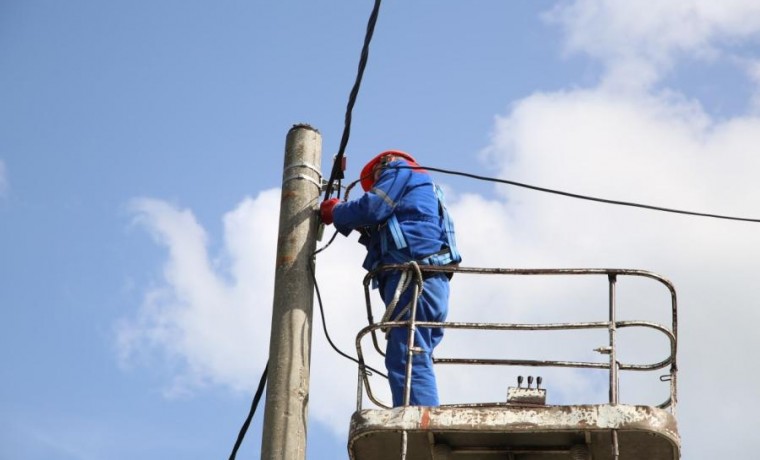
x=262 y=381
x=329 y=242
x=327 y=334
x=254 y=405
x=581 y=197
x=337 y=169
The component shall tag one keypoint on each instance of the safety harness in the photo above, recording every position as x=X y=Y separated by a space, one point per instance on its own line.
x=392 y=238
x=392 y=241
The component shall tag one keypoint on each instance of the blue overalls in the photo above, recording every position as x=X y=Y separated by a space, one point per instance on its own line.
x=403 y=219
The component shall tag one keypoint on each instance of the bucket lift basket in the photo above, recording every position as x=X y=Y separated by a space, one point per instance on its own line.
x=518 y=431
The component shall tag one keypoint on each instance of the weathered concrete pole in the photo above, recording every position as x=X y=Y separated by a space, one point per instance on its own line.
x=285 y=416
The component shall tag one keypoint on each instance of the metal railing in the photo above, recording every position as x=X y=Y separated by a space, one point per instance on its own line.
x=612 y=325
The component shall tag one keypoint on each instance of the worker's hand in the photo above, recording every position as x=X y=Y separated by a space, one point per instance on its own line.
x=326 y=210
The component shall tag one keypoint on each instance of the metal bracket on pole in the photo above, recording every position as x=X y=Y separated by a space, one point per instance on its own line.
x=287 y=178
x=302 y=177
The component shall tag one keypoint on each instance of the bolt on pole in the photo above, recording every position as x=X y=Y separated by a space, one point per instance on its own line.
x=285 y=416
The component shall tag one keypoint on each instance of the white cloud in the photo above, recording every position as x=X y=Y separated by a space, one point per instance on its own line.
x=655 y=150
x=211 y=319
x=638 y=41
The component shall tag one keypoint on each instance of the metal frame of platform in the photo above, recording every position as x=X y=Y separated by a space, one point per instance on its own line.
x=611 y=431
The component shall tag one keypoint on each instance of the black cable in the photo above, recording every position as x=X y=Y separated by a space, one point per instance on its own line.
x=337 y=170
x=337 y=173
x=582 y=197
x=324 y=327
x=332 y=238
x=254 y=405
x=262 y=381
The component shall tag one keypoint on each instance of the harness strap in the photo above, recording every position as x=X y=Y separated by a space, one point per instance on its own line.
x=448 y=224
x=444 y=257
x=396 y=233
x=449 y=255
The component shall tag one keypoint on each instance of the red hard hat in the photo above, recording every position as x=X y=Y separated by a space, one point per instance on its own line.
x=368 y=179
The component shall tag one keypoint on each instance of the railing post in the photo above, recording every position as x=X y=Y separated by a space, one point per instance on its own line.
x=613 y=361
x=614 y=399
x=410 y=346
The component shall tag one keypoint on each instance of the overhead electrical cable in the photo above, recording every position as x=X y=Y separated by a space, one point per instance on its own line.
x=337 y=168
x=254 y=405
x=336 y=174
x=581 y=197
x=327 y=334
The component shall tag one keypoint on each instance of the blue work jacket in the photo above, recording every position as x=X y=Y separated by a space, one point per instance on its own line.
x=410 y=196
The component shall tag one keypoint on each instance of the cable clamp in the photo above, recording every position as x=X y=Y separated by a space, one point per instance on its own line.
x=302 y=177
x=304 y=165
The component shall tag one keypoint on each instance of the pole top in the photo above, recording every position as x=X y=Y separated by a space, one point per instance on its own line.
x=303 y=126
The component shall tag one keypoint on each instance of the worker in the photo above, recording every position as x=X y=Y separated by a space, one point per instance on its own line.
x=402 y=218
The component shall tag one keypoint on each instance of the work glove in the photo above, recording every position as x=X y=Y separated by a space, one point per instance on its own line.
x=326 y=210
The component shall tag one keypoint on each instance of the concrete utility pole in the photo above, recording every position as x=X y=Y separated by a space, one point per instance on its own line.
x=285 y=417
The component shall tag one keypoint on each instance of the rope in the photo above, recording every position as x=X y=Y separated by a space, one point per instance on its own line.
x=403 y=284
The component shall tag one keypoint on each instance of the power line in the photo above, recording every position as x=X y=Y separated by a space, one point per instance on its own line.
x=254 y=405
x=337 y=169
x=581 y=197
x=336 y=174
x=327 y=334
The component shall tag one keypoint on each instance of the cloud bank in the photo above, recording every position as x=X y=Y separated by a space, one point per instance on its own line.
x=638 y=42
x=208 y=315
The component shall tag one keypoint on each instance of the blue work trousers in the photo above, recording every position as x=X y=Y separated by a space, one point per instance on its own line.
x=433 y=305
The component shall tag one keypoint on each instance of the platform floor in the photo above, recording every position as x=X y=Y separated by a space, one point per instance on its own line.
x=503 y=431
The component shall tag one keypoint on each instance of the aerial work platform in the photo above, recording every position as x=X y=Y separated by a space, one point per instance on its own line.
x=524 y=427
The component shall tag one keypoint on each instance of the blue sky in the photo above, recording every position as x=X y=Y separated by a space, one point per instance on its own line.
x=141 y=154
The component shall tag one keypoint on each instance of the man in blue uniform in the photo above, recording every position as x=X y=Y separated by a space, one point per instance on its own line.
x=402 y=218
